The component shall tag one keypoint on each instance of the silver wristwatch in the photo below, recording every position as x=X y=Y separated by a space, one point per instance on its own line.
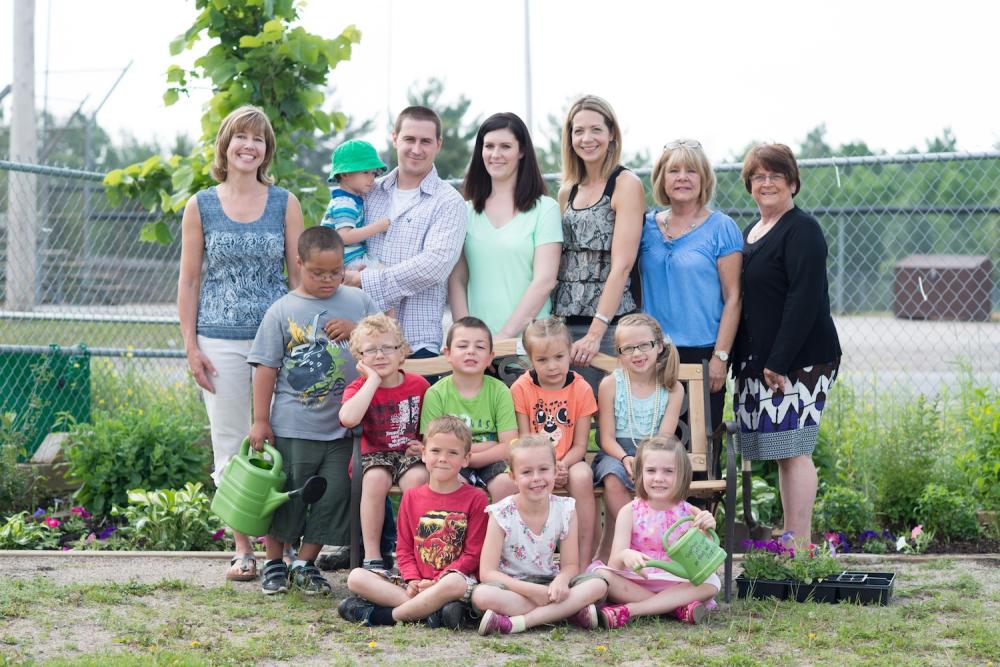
x=723 y=356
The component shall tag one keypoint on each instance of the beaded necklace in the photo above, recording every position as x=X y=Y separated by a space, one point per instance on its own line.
x=633 y=429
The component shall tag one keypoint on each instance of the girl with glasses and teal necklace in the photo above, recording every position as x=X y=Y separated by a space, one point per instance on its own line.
x=640 y=399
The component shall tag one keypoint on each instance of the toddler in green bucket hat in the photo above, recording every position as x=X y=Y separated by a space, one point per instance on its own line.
x=354 y=166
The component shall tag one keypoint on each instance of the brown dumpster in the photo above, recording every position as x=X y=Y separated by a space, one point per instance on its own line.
x=943 y=287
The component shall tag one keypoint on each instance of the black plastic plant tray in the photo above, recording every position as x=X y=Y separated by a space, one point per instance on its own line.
x=849 y=587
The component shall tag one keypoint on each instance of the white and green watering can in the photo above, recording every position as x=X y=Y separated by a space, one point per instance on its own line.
x=693 y=556
x=253 y=487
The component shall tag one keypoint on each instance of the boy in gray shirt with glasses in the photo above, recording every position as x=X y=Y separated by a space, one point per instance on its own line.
x=298 y=389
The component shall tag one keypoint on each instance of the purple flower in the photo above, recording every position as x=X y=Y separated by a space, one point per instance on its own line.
x=748 y=544
x=867 y=535
x=217 y=535
x=106 y=533
x=81 y=512
x=39 y=513
x=787 y=535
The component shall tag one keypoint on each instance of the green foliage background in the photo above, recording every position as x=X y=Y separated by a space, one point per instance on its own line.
x=259 y=57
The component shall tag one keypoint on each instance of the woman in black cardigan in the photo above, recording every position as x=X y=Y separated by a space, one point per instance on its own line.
x=786 y=353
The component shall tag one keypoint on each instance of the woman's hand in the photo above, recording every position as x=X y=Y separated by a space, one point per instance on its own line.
x=704 y=521
x=558 y=591
x=584 y=349
x=775 y=381
x=716 y=374
x=201 y=369
x=634 y=560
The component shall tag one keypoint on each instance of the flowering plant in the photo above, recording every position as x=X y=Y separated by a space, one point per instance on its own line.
x=778 y=559
x=921 y=539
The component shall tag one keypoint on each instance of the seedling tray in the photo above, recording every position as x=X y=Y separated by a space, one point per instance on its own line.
x=850 y=587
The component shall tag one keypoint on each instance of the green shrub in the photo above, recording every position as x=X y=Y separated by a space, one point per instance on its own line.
x=947 y=514
x=21 y=531
x=763 y=503
x=131 y=448
x=979 y=457
x=171 y=520
x=844 y=510
x=17 y=485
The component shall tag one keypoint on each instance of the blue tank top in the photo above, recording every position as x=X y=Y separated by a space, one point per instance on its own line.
x=243 y=269
x=645 y=419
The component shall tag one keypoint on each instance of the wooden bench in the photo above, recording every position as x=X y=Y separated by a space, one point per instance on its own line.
x=702 y=446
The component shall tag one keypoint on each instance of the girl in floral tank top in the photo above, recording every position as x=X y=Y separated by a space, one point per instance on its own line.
x=662 y=479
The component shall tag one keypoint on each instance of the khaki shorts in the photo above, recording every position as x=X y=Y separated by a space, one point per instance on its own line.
x=545 y=581
x=397 y=463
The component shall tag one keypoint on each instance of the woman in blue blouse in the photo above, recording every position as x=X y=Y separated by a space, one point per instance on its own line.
x=690 y=261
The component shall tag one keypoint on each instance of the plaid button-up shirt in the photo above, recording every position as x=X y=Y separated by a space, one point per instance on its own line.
x=418 y=253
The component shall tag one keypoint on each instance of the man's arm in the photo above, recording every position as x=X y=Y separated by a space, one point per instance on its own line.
x=431 y=266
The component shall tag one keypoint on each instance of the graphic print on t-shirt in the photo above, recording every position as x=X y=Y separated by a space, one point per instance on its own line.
x=399 y=421
x=440 y=537
x=314 y=365
x=550 y=418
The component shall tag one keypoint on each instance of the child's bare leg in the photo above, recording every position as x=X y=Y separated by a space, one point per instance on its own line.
x=309 y=551
x=501 y=600
x=375 y=588
x=584 y=593
x=274 y=548
x=413 y=477
x=448 y=588
x=621 y=590
x=672 y=598
x=374 y=487
x=616 y=496
x=500 y=487
x=581 y=488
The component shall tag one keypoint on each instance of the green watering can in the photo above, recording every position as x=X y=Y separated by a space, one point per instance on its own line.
x=251 y=489
x=693 y=556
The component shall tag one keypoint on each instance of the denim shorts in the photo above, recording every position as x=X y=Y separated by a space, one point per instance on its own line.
x=605 y=465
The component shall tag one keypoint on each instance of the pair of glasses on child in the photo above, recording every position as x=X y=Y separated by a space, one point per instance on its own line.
x=629 y=350
x=384 y=350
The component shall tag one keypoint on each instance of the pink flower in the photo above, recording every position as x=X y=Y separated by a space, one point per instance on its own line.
x=81 y=512
x=916 y=531
x=51 y=522
x=217 y=535
x=833 y=538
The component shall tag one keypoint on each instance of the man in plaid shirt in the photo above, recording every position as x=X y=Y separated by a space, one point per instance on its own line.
x=426 y=232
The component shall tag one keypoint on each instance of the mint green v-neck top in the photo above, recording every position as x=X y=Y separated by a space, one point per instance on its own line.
x=501 y=261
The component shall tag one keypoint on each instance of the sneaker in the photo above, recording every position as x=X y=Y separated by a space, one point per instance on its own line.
x=586 y=618
x=494 y=622
x=355 y=609
x=693 y=613
x=453 y=616
x=334 y=558
x=274 y=577
x=308 y=579
x=376 y=565
x=613 y=616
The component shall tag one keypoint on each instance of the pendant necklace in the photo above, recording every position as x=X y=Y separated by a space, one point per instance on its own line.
x=674 y=237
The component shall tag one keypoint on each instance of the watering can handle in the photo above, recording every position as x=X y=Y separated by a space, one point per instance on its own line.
x=277 y=463
x=684 y=519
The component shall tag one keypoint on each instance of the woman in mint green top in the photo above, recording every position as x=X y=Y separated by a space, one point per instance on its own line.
x=514 y=238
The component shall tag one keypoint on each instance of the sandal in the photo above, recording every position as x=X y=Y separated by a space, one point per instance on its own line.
x=242 y=568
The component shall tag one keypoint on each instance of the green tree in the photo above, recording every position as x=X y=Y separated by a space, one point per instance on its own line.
x=260 y=57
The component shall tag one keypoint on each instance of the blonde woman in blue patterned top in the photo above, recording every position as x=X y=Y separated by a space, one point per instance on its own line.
x=240 y=235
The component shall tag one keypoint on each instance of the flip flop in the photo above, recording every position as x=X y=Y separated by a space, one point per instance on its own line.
x=242 y=568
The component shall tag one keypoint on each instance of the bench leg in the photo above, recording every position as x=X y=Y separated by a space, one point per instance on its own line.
x=356 y=500
x=730 y=513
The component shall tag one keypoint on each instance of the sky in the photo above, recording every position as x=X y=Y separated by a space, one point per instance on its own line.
x=890 y=73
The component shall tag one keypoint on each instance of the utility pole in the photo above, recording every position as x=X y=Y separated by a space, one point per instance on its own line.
x=22 y=188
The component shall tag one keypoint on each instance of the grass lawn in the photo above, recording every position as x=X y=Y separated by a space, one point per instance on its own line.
x=93 y=334
x=944 y=613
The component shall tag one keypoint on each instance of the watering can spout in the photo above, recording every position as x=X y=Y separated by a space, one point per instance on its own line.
x=673 y=568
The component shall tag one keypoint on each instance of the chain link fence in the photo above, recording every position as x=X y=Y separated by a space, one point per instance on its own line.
x=88 y=309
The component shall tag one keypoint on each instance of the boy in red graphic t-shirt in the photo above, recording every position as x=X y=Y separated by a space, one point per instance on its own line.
x=386 y=401
x=442 y=525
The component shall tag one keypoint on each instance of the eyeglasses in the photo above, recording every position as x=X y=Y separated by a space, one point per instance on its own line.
x=758 y=179
x=331 y=276
x=686 y=143
x=629 y=350
x=384 y=350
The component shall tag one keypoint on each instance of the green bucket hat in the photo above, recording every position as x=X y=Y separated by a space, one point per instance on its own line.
x=354 y=155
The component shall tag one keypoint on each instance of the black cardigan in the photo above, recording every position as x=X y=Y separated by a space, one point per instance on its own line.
x=786 y=323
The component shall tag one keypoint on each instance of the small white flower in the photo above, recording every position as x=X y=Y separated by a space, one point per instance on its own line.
x=901 y=543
